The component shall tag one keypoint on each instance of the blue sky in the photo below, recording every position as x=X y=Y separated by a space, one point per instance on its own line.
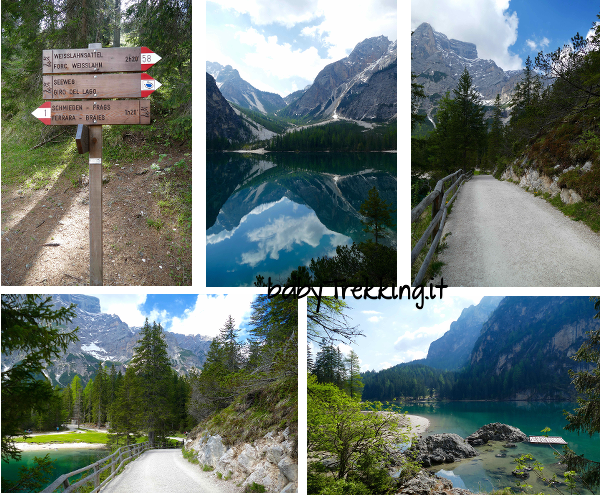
x=181 y=313
x=507 y=31
x=396 y=332
x=281 y=46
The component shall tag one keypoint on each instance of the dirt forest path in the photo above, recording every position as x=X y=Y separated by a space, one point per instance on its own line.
x=45 y=232
x=503 y=236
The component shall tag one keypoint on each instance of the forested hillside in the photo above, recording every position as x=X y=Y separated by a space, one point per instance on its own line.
x=523 y=352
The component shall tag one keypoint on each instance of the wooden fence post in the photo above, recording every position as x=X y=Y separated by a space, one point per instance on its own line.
x=437 y=205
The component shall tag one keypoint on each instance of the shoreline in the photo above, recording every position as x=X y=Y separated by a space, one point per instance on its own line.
x=418 y=424
x=26 y=447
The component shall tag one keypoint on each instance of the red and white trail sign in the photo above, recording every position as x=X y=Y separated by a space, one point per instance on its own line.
x=149 y=84
x=44 y=112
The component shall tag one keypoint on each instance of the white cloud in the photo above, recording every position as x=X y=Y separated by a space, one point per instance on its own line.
x=531 y=44
x=415 y=344
x=279 y=59
x=375 y=319
x=345 y=348
x=285 y=12
x=371 y=312
x=210 y=312
x=125 y=306
x=487 y=23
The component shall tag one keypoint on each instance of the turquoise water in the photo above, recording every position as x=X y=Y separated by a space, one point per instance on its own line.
x=487 y=472
x=267 y=215
x=65 y=461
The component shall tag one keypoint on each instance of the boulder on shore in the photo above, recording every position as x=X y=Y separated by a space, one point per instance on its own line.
x=496 y=431
x=426 y=483
x=444 y=447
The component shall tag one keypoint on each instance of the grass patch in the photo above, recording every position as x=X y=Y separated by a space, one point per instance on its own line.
x=254 y=488
x=588 y=213
x=418 y=228
x=190 y=455
x=255 y=414
x=206 y=467
x=87 y=437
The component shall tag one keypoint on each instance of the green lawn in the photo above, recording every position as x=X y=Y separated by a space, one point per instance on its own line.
x=87 y=437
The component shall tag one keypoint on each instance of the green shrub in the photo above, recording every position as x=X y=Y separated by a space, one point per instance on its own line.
x=254 y=488
x=569 y=179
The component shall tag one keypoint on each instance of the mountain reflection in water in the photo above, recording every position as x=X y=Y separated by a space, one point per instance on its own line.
x=269 y=214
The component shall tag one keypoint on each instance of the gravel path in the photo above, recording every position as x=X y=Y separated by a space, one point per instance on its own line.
x=503 y=236
x=165 y=470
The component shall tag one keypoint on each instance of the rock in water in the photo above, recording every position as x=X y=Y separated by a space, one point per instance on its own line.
x=496 y=431
x=444 y=447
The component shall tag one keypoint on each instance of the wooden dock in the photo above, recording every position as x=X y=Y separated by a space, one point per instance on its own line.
x=549 y=440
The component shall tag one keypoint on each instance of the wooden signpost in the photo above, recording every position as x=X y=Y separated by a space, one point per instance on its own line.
x=80 y=84
x=128 y=85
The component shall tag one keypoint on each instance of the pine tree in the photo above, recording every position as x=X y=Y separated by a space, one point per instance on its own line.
x=496 y=134
x=377 y=213
x=125 y=409
x=231 y=348
x=77 y=396
x=470 y=125
x=152 y=368
x=354 y=381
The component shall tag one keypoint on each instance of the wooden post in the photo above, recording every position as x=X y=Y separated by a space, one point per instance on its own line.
x=95 y=137
x=437 y=205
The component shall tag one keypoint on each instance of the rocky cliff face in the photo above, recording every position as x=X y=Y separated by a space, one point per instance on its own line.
x=452 y=350
x=241 y=92
x=267 y=461
x=221 y=120
x=439 y=62
x=360 y=86
x=531 y=340
x=104 y=338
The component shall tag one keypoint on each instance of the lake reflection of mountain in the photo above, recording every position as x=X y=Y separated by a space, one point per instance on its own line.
x=269 y=214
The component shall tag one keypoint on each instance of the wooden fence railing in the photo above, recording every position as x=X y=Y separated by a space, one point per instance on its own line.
x=114 y=462
x=439 y=197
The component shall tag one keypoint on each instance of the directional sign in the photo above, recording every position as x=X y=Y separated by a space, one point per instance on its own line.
x=66 y=87
x=94 y=112
x=95 y=60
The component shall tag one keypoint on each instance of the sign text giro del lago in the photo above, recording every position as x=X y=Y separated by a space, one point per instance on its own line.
x=89 y=87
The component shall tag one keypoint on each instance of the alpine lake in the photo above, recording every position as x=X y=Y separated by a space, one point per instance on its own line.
x=268 y=214
x=64 y=461
x=487 y=472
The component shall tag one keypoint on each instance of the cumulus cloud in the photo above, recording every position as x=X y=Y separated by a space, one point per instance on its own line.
x=371 y=312
x=210 y=312
x=279 y=59
x=125 y=306
x=285 y=12
x=487 y=23
x=375 y=319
